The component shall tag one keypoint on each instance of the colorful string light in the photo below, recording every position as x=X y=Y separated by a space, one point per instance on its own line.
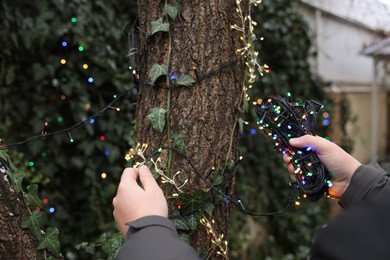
x=282 y=119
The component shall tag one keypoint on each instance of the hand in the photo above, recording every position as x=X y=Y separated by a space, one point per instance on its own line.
x=133 y=201
x=339 y=163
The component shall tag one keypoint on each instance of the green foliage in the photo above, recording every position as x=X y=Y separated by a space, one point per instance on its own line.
x=181 y=224
x=346 y=117
x=179 y=142
x=110 y=244
x=50 y=241
x=192 y=207
x=36 y=88
x=172 y=10
x=156 y=71
x=16 y=177
x=34 y=222
x=159 y=26
x=192 y=202
x=32 y=197
x=13 y=172
x=156 y=117
x=185 y=80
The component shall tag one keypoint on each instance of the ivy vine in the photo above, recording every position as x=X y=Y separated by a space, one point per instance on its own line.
x=33 y=221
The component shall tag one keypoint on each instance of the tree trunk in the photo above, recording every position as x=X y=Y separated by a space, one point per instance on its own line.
x=15 y=242
x=200 y=43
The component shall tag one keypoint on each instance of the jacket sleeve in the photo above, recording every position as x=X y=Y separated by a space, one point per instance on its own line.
x=155 y=237
x=362 y=231
x=367 y=182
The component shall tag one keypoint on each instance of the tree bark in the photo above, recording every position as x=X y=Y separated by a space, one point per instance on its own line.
x=206 y=113
x=15 y=242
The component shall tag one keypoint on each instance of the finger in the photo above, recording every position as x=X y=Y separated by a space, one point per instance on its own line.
x=316 y=143
x=292 y=176
x=146 y=178
x=128 y=179
x=286 y=158
x=290 y=168
x=130 y=174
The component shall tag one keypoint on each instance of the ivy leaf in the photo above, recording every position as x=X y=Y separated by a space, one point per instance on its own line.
x=81 y=245
x=16 y=177
x=112 y=246
x=14 y=173
x=87 y=246
x=181 y=224
x=217 y=179
x=32 y=197
x=172 y=10
x=3 y=153
x=192 y=202
x=185 y=237
x=33 y=223
x=157 y=118
x=50 y=241
x=91 y=248
x=185 y=80
x=156 y=71
x=193 y=221
x=159 y=26
x=209 y=208
x=179 y=142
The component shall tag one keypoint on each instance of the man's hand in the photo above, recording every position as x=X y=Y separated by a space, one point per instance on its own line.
x=339 y=163
x=133 y=201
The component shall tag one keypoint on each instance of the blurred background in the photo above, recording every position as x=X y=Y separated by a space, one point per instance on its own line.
x=63 y=61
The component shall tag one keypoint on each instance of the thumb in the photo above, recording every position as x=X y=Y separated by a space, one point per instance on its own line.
x=146 y=178
x=316 y=143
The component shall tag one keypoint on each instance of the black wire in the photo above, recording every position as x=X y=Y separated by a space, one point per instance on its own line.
x=199 y=78
x=237 y=203
x=69 y=129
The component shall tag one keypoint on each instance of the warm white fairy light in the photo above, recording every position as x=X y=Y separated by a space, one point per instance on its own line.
x=165 y=178
x=217 y=239
x=140 y=151
x=247 y=28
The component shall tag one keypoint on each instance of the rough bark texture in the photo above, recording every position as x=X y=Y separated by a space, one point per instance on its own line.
x=205 y=113
x=15 y=242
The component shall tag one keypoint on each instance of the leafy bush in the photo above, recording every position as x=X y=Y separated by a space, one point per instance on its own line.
x=62 y=62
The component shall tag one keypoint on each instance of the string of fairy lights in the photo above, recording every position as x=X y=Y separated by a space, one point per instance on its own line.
x=281 y=119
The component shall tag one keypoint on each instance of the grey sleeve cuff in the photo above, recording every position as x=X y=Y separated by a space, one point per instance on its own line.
x=150 y=221
x=368 y=181
x=155 y=238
